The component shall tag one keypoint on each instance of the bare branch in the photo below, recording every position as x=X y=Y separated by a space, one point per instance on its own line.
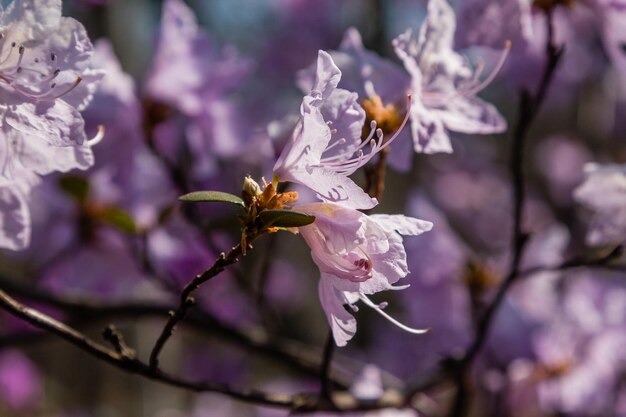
x=187 y=301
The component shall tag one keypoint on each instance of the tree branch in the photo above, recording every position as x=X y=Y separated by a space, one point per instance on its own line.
x=529 y=107
x=128 y=362
x=187 y=301
x=250 y=337
x=123 y=358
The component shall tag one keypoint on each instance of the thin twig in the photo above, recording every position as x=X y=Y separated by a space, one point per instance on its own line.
x=327 y=358
x=82 y=311
x=375 y=176
x=122 y=359
x=128 y=362
x=187 y=301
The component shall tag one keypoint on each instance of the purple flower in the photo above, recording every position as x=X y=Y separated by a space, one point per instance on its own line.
x=357 y=255
x=126 y=173
x=44 y=81
x=488 y=23
x=444 y=84
x=604 y=192
x=379 y=83
x=195 y=78
x=326 y=146
x=363 y=71
x=187 y=68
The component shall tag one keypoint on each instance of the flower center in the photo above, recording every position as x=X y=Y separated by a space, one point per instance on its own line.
x=387 y=116
x=347 y=162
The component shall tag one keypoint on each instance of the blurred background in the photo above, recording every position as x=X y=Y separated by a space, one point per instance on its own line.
x=115 y=235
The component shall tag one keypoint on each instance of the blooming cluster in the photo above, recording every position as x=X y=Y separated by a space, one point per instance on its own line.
x=357 y=254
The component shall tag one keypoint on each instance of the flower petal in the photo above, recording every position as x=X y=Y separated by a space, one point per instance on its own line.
x=342 y=324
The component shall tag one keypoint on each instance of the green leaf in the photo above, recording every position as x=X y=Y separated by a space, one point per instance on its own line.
x=75 y=186
x=118 y=218
x=211 y=197
x=285 y=218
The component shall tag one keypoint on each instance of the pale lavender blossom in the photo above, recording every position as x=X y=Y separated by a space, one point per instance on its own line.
x=604 y=192
x=363 y=72
x=583 y=346
x=196 y=79
x=444 y=84
x=370 y=76
x=357 y=255
x=326 y=146
x=187 y=68
x=126 y=173
x=45 y=80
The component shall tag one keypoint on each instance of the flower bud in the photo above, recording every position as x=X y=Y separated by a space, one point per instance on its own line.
x=250 y=191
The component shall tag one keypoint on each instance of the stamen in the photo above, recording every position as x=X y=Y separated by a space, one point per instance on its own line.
x=43 y=95
x=98 y=138
x=16 y=68
x=477 y=86
x=335 y=144
x=348 y=166
x=79 y=79
x=364 y=143
x=379 y=310
x=494 y=72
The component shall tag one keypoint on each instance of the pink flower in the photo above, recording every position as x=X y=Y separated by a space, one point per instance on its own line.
x=326 y=146
x=357 y=255
x=444 y=84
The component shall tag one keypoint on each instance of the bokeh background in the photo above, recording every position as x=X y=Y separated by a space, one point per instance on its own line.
x=556 y=348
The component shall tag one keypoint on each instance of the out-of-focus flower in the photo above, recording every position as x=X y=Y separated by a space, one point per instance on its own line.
x=45 y=80
x=436 y=260
x=194 y=80
x=488 y=23
x=187 y=68
x=126 y=174
x=19 y=380
x=578 y=361
x=326 y=146
x=444 y=84
x=357 y=255
x=604 y=192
